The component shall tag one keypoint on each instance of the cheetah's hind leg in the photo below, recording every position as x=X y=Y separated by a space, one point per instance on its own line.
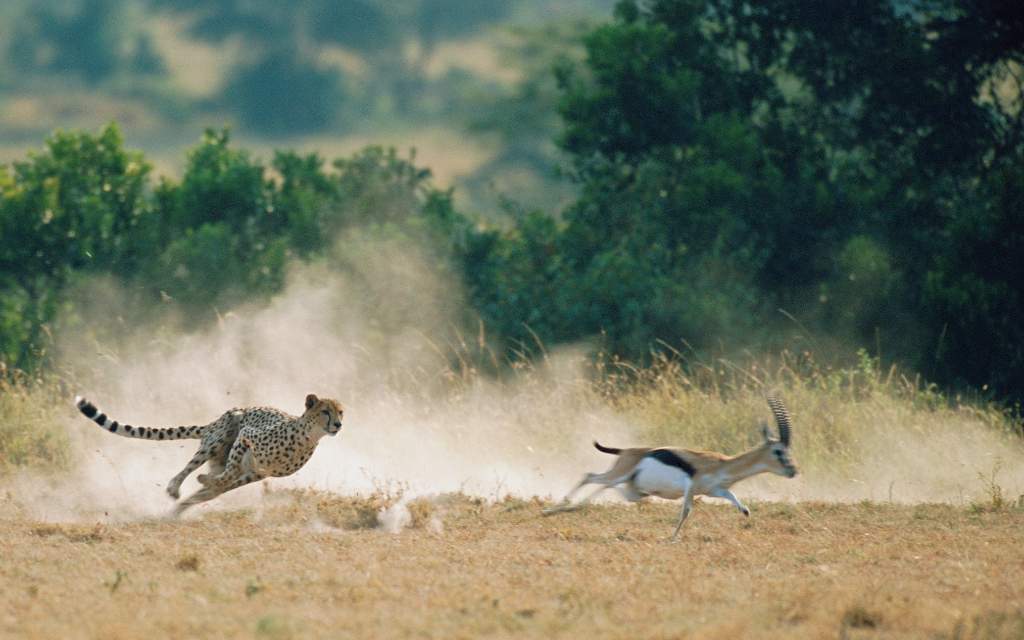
x=201 y=456
x=238 y=471
x=218 y=458
x=215 y=488
x=217 y=464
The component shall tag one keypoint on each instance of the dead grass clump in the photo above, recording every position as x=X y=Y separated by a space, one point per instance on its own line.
x=992 y=625
x=423 y=512
x=994 y=499
x=45 y=530
x=276 y=627
x=115 y=583
x=189 y=562
x=355 y=512
x=73 y=533
x=858 y=617
x=513 y=503
x=254 y=586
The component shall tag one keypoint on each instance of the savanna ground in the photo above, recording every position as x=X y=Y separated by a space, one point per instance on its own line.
x=905 y=522
x=309 y=564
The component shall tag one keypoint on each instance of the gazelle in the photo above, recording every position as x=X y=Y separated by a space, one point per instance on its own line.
x=673 y=473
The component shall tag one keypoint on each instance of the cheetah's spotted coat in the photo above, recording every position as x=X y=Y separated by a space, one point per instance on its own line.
x=241 y=446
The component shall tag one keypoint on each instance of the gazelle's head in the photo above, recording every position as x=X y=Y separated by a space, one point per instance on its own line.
x=776 y=452
x=325 y=412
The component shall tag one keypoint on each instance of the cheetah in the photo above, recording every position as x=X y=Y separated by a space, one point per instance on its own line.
x=241 y=446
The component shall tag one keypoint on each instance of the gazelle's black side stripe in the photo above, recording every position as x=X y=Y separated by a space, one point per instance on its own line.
x=669 y=458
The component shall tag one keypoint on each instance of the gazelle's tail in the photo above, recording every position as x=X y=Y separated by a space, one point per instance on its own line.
x=611 y=450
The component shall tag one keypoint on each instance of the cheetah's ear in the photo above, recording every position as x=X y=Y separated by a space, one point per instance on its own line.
x=311 y=399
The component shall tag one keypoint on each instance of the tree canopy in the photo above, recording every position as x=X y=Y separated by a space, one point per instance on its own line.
x=852 y=172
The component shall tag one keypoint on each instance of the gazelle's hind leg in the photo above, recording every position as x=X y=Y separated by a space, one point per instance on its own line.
x=561 y=506
x=606 y=480
x=630 y=492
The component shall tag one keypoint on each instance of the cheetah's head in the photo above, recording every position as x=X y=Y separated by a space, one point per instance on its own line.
x=325 y=410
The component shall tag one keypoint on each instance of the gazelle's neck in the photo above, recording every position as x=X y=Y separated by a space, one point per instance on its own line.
x=744 y=465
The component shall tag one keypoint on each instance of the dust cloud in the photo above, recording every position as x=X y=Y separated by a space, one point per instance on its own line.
x=381 y=335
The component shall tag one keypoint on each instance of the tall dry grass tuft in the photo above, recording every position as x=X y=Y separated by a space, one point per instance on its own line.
x=714 y=405
x=860 y=431
x=31 y=435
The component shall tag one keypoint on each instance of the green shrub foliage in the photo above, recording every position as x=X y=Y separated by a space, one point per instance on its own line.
x=746 y=172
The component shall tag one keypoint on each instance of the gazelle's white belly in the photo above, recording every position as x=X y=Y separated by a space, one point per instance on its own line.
x=656 y=478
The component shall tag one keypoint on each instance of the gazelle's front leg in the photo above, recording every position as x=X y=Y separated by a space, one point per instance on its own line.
x=728 y=495
x=685 y=511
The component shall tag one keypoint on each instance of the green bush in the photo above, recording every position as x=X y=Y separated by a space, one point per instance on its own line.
x=748 y=175
x=221 y=235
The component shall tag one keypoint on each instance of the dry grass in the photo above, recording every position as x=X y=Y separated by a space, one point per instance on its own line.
x=307 y=564
x=315 y=564
x=713 y=404
x=29 y=434
x=860 y=432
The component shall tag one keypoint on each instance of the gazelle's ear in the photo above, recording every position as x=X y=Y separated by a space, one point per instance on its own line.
x=310 y=401
x=766 y=433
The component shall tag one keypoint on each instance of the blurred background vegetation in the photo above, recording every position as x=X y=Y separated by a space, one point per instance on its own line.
x=692 y=176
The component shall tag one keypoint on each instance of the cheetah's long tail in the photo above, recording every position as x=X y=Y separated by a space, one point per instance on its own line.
x=90 y=411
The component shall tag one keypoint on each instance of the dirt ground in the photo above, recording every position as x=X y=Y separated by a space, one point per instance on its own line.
x=316 y=565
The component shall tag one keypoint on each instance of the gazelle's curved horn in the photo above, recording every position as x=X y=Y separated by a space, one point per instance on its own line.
x=781 y=417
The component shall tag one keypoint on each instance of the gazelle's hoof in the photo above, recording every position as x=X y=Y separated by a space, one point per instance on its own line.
x=560 y=508
x=745 y=511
